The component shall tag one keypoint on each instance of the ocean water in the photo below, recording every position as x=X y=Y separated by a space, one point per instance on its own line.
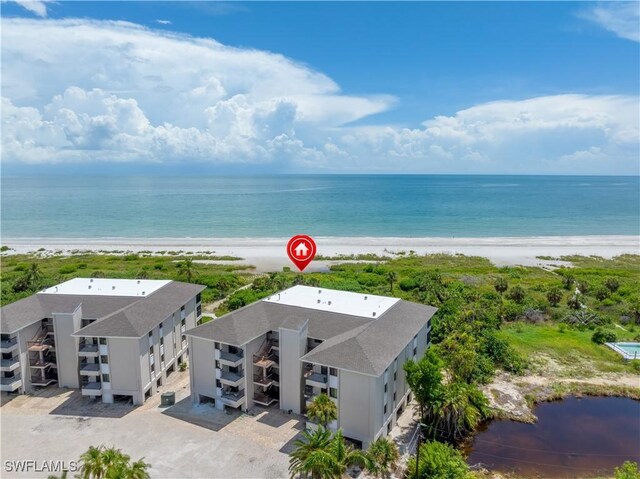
x=322 y=205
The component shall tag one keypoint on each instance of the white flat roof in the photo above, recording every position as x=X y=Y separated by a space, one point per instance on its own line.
x=107 y=287
x=343 y=302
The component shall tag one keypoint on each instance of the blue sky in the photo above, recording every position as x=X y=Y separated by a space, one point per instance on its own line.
x=480 y=87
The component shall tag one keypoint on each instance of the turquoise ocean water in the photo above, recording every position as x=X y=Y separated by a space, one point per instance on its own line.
x=279 y=206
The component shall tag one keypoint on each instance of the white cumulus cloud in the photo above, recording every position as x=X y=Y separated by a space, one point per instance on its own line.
x=37 y=7
x=81 y=91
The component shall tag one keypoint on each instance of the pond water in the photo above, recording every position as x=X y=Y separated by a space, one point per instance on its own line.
x=573 y=438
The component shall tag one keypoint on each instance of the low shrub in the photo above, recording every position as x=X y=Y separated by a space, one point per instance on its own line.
x=601 y=336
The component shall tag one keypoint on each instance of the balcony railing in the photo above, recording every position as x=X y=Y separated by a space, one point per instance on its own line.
x=231 y=378
x=10 y=384
x=233 y=399
x=9 y=364
x=88 y=349
x=232 y=359
x=89 y=368
x=7 y=345
x=92 y=389
x=266 y=381
x=316 y=379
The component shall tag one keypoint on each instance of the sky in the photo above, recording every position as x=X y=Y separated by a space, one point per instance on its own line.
x=320 y=87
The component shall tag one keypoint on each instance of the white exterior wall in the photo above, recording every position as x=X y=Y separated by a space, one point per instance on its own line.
x=124 y=369
x=202 y=370
x=293 y=345
x=64 y=325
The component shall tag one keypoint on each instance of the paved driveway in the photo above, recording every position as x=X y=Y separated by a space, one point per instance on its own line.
x=179 y=442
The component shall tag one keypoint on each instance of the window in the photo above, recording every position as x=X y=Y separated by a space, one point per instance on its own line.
x=415 y=351
x=385 y=387
x=333 y=372
x=153 y=368
x=182 y=308
x=104 y=359
x=199 y=310
x=183 y=322
x=395 y=375
x=103 y=340
x=162 y=341
x=394 y=397
x=162 y=358
x=385 y=409
x=105 y=378
x=217 y=345
x=218 y=383
x=198 y=297
x=323 y=370
x=151 y=333
x=150 y=349
x=333 y=392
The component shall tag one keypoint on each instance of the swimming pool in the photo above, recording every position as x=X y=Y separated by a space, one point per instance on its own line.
x=628 y=350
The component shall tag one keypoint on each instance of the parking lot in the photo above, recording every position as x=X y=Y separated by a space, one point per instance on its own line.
x=179 y=441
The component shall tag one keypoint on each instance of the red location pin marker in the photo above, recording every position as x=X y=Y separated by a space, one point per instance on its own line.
x=301 y=250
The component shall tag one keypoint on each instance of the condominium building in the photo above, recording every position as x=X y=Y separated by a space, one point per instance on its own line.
x=286 y=349
x=116 y=339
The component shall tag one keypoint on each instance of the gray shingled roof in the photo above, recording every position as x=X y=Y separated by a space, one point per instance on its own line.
x=117 y=316
x=350 y=342
x=374 y=347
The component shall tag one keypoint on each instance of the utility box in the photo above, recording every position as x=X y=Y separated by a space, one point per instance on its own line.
x=168 y=399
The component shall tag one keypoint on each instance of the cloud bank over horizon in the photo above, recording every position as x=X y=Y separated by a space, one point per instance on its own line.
x=80 y=91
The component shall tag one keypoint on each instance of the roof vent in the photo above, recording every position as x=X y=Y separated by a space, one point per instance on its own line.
x=318 y=301
x=113 y=287
x=143 y=293
x=91 y=280
x=138 y=281
x=89 y=286
x=365 y=298
x=329 y=303
x=374 y=314
x=319 y=291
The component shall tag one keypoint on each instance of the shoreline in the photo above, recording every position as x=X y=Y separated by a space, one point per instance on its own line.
x=268 y=254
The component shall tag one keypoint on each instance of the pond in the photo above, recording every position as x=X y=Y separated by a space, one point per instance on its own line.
x=573 y=438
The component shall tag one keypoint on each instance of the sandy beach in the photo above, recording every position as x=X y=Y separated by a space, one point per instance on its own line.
x=268 y=254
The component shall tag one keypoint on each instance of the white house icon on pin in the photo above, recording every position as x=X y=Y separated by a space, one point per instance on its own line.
x=301 y=250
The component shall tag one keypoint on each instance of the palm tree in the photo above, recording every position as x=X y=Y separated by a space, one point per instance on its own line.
x=91 y=463
x=188 y=269
x=554 y=296
x=392 y=277
x=346 y=455
x=322 y=410
x=311 y=456
x=384 y=457
x=110 y=463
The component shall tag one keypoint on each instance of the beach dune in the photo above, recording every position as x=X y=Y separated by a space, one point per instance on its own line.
x=268 y=254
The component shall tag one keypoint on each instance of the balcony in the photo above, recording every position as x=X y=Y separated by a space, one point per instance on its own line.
x=8 y=345
x=88 y=350
x=230 y=359
x=265 y=361
x=231 y=379
x=266 y=381
x=10 y=384
x=232 y=399
x=316 y=380
x=92 y=389
x=9 y=364
x=264 y=400
x=41 y=381
x=45 y=364
x=89 y=369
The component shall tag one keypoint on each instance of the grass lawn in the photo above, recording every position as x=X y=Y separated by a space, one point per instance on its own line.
x=570 y=348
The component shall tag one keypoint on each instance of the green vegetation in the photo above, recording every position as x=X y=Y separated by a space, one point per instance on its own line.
x=569 y=348
x=22 y=275
x=628 y=470
x=322 y=410
x=106 y=463
x=438 y=461
x=321 y=455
